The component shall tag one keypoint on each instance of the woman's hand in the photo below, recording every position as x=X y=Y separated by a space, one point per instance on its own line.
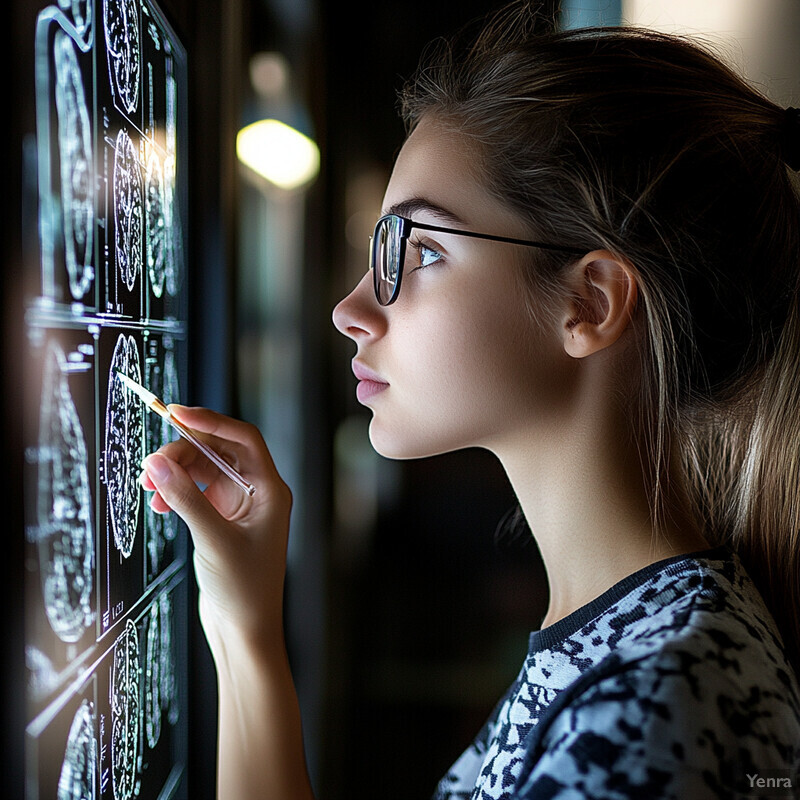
x=240 y=540
x=240 y=560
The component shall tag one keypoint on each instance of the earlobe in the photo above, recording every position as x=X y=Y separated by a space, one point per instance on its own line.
x=602 y=303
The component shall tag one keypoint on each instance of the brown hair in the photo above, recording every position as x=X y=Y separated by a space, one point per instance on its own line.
x=650 y=146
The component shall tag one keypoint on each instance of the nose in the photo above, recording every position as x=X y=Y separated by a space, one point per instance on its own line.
x=359 y=316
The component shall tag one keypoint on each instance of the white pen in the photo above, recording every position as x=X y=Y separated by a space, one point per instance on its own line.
x=154 y=404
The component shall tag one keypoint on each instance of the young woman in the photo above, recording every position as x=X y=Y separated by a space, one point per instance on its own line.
x=588 y=265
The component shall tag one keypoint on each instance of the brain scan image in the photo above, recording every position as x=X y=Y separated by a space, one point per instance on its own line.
x=127 y=209
x=160 y=684
x=157 y=433
x=156 y=231
x=171 y=216
x=121 y=24
x=172 y=224
x=152 y=678
x=125 y=714
x=163 y=382
x=81 y=12
x=124 y=444
x=75 y=146
x=169 y=675
x=64 y=506
x=77 y=778
x=171 y=128
x=170 y=393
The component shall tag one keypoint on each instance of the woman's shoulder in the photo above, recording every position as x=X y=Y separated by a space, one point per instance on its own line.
x=686 y=603
x=700 y=622
x=696 y=689
x=703 y=608
x=690 y=718
x=678 y=722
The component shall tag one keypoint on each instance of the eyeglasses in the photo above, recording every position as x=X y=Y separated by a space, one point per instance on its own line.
x=387 y=251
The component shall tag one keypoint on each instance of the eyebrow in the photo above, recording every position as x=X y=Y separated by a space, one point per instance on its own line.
x=409 y=207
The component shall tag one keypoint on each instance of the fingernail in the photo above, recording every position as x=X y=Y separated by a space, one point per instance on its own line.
x=141 y=479
x=155 y=510
x=158 y=468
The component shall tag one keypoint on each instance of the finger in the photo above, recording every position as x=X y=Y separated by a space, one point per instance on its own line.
x=219 y=490
x=207 y=421
x=232 y=439
x=199 y=467
x=158 y=505
x=145 y=482
x=180 y=493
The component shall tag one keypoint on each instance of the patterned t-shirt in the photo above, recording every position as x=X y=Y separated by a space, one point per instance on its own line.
x=671 y=684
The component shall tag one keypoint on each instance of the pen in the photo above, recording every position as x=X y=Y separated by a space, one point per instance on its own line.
x=154 y=404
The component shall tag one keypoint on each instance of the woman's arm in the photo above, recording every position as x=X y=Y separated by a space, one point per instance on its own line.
x=260 y=744
x=240 y=560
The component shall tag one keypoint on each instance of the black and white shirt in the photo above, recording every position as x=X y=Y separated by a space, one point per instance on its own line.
x=671 y=684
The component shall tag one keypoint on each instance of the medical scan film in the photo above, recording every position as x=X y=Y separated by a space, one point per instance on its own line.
x=105 y=577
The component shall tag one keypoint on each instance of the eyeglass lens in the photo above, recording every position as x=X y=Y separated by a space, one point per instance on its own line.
x=386 y=254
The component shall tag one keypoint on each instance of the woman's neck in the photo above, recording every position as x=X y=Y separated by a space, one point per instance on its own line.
x=584 y=497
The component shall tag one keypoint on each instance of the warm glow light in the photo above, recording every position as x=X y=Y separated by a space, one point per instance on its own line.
x=279 y=153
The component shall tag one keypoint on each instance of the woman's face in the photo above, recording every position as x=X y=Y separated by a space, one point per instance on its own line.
x=458 y=360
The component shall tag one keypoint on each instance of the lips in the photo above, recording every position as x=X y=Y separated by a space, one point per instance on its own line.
x=369 y=382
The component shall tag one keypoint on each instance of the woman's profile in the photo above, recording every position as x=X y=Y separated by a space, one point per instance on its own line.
x=588 y=263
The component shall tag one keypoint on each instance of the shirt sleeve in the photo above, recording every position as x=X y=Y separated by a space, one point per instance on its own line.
x=459 y=782
x=666 y=726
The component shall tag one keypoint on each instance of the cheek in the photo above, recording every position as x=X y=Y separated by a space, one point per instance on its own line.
x=494 y=348
x=465 y=373
x=458 y=351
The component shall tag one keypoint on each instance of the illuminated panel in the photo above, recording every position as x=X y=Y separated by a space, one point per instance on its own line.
x=128 y=208
x=123 y=452
x=155 y=210
x=66 y=535
x=106 y=594
x=77 y=778
x=125 y=713
x=121 y=26
x=75 y=147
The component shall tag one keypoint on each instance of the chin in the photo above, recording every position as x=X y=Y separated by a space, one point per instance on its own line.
x=393 y=447
x=408 y=443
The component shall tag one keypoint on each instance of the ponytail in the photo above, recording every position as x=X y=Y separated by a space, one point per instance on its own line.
x=767 y=533
x=740 y=453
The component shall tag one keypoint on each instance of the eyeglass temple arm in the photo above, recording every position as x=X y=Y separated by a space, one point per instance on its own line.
x=409 y=224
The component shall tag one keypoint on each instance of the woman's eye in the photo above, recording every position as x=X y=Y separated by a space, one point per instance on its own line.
x=428 y=256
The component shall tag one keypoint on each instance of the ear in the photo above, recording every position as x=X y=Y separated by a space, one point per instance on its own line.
x=602 y=303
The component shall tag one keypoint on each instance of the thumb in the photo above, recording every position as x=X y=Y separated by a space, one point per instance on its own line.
x=181 y=493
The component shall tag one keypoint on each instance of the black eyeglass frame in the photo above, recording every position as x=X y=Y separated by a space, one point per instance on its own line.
x=407 y=225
